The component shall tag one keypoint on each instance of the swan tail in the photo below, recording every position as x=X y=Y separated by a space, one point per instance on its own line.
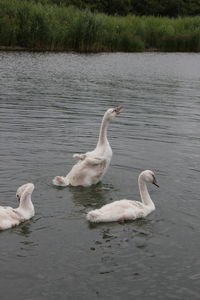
x=59 y=181
x=94 y=216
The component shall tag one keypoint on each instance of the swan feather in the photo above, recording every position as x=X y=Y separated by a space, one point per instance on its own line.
x=124 y=209
x=92 y=165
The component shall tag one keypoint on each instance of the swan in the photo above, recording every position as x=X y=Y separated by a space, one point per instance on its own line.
x=127 y=209
x=92 y=165
x=10 y=217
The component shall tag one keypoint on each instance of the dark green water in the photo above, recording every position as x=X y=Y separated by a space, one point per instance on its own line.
x=51 y=106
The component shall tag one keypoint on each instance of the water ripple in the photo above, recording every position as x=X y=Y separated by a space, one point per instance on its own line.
x=51 y=106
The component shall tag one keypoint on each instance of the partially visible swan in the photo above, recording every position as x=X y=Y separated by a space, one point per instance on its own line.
x=91 y=166
x=127 y=209
x=10 y=217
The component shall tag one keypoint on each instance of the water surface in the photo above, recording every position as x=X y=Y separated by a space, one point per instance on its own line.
x=51 y=106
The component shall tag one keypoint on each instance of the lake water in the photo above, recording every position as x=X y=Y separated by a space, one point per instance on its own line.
x=51 y=106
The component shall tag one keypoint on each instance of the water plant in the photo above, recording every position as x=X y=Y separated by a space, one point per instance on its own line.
x=43 y=26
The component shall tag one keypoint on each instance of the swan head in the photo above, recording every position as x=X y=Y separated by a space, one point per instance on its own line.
x=113 y=112
x=149 y=176
x=28 y=188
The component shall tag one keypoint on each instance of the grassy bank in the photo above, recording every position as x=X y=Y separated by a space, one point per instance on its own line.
x=46 y=27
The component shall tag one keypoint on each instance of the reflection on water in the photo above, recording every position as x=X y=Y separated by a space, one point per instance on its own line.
x=25 y=229
x=93 y=197
x=51 y=106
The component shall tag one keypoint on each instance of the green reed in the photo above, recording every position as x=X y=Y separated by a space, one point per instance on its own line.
x=46 y=27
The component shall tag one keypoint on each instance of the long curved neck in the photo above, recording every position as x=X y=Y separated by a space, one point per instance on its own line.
x=26 y=203
x=145 y=197
x=103 y=131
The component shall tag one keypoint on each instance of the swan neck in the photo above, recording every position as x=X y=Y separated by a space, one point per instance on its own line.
x=103 y=131
x=145 y=197
x=26 y=203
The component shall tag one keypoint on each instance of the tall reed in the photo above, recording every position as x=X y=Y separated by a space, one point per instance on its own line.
x=47 y=27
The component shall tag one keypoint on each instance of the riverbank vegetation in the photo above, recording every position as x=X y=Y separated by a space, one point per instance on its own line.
x=43 y=26
x=167 y=8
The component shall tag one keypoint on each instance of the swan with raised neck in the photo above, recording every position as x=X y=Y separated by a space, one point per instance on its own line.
x=103 y=139
x=10 y=217
x=92 y=165
x=122 y=210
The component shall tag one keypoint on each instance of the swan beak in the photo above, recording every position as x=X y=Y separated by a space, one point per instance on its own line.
x=118 y=109
x=155 y=182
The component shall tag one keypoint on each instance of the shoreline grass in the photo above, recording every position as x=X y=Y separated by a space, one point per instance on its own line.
x=33 y=26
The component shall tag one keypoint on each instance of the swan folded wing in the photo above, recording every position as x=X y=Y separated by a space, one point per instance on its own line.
x=137 y=204
x=119 y=211
x=89 y=159
x=9 y=217
x=79 y=156
x=95 y=160
x=125 y=204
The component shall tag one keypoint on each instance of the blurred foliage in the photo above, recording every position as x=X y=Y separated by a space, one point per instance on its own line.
x=43 y=26
x=170 y=8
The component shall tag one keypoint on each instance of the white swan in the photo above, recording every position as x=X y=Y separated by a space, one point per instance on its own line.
x=127 y=209
x=91 y=166
x=10 y=217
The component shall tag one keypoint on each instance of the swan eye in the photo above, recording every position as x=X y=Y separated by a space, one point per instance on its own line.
x=18 y=197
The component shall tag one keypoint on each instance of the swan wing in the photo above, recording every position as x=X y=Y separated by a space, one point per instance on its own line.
x=9 y=212
x=79 y=156
x=118 y=211
x=125 y=204
x=9 y=217
x=95 y=160
x=89 y=158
